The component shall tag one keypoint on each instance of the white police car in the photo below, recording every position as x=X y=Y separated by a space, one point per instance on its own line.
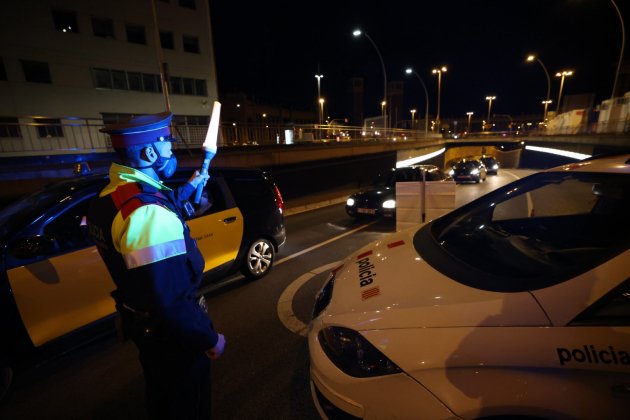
x=516 y=304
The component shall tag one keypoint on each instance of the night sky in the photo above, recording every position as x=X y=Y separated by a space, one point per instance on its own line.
x=272 y=50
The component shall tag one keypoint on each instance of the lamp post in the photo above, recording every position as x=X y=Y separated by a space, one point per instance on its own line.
x=623 y=44
x=546 y=104
x=383 y=114
x=409 y=70
x=489 y=99
x=357 y=32
x=319 y=96
x=470 y=114
x=439 y=73
x=321 y=113
x=532 y=58
x=562 y=75
x=413 y=117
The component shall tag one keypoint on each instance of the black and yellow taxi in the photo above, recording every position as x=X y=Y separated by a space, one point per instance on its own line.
x=54 y=282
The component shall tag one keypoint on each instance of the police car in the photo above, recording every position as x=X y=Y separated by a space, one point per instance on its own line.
x=516 y=304
x=54 y=282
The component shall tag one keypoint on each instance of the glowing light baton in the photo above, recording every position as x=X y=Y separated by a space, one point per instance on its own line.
x=209 y=145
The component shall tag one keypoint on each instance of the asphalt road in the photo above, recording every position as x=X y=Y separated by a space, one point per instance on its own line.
x=263 y=373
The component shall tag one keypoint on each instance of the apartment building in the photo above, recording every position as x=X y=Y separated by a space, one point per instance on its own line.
x=68 y=65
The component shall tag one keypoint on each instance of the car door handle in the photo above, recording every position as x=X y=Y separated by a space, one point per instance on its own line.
x=228 y=220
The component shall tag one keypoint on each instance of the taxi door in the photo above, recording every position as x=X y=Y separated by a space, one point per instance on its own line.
x=218 y=228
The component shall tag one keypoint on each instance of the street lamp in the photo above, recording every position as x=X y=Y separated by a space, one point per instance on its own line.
x=439 y=73
x=489 y=99
x=562 y=75
x=470 y=114
x=623 y=44
x=546 y=104
x=319 y=96
x=357 y=32
x=383 y=113
x=532 y=58
x=413 y=117
x=321 y=112
x=409 y=70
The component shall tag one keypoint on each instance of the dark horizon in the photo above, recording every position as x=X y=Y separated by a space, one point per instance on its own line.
x=272 y=52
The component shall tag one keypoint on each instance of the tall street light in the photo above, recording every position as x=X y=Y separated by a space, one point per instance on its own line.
x=562 y=75
x=546 y=104
x=413 y=117
x=357 y=32
x=409 y=70
x=623 y=44
x=532 y=58
x=321 y=112
x=319 y=96
x=439 y=73
x=489 y=99
x=470 y=114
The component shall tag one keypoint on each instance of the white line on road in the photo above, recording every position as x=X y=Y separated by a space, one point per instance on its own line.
x=285 y=302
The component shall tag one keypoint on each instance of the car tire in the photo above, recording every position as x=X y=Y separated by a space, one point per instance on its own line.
x=258 y=260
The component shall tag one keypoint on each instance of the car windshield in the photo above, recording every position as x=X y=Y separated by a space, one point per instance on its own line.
x=15 y=216
x=535 y=232
x=467 y=165
x=383 y=180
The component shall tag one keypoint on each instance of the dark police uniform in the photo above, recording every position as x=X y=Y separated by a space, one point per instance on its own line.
x=157 y=268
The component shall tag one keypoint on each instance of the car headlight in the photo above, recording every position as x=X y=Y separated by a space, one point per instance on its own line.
x=451 y=172
x=324 y=296
x=353 y=354
x=474 y=171
x=495 y=166
x=350 y=202
x=389 y=204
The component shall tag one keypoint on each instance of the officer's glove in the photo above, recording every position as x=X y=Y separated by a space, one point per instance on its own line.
x=216 y=351
x=198 y=179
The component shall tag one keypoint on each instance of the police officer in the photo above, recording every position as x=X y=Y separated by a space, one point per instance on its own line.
x=140 y=233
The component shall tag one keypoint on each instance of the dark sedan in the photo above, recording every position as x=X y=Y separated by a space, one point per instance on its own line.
x=491 y=164
x=379 y=199
x=468 y=170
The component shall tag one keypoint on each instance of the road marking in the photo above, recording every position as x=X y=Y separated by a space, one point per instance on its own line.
x=285 y=302
x=321 y=244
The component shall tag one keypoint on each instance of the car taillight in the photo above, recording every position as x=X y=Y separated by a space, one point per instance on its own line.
x=279 y=201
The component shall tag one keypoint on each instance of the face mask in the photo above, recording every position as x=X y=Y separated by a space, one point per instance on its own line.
x=165 y=166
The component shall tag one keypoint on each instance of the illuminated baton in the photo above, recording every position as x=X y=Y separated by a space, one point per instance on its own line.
x=209 y=146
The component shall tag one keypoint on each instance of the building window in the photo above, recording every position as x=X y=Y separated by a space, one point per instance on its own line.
x=189 y=4
x=167 y=40
x=103 y=27
x=200 y=88
x=9 y=127
x=119 y=80
x=36 y=71
x=189 y=86
x=3 y=71
x=65 y=21
x=136 y=35
x=102 y=78
x=135 y=81
x=49 y=127
x=115 y=118
x=176 y=85
x=191 y=44
x=151 y=82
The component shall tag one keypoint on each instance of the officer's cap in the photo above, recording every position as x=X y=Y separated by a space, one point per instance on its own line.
x=140 y=130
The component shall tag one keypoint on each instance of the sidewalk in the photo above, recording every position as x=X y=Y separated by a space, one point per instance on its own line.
x=317 y=200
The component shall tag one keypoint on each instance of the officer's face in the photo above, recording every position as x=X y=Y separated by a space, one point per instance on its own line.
x=164 y=148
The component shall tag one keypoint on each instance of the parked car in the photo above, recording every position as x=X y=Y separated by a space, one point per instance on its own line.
x=491 y=164
x=379 y=199
x=468 y=170
x=54 y=282
x=515 y=305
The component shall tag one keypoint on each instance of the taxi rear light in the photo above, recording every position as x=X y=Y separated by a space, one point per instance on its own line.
x=278 y=198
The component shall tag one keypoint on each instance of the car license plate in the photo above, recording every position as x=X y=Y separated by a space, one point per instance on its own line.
x=366 y=211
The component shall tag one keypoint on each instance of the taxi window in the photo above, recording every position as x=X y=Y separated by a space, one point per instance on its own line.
x=612 y=309
x=69 y=228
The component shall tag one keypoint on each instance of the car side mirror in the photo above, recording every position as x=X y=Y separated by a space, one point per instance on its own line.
x=35 y=246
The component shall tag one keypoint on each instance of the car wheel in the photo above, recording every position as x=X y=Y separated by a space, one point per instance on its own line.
x=6 y=377
x=258 y=260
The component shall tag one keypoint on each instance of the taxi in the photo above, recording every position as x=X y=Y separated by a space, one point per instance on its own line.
x=54 y=283
x=515 y=304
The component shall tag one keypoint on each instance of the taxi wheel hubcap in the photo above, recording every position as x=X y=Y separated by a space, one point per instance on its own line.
x=259 y=258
